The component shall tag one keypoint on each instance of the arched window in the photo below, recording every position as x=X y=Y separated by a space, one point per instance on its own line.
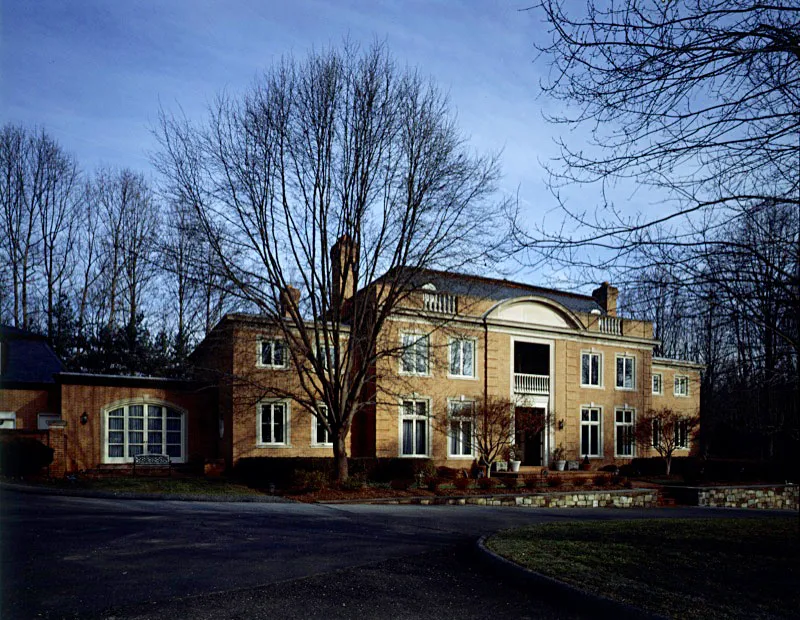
x=144 y=428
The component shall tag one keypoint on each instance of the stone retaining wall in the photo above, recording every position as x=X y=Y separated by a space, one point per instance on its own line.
x=766 y=497
x=646 y=498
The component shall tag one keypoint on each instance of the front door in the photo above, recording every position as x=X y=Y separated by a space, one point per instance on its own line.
x=529 y=437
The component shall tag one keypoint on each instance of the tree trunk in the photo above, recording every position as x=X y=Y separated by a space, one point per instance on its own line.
x=668 y=459
x=340 y=454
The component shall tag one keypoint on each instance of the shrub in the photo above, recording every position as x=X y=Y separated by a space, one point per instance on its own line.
x=386 y=470
x=579 y=481
x=615 y=480
x=531 y=482
x=259 y=471
x=434 y=483
x=23 y=456
x=627 y=483
x=509 y=482
x=353 y=483
x=555 y=481
x=487 y=483
x=401 y=484
x=450 y=473
x=600 y=481
x=309 y=480
x=462 y=484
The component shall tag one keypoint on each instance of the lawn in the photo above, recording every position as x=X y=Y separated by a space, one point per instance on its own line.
x=679 y=568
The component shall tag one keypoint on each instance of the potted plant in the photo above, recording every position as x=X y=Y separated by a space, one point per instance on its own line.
x=558 y=458
x=513 y=461
x=586 y=465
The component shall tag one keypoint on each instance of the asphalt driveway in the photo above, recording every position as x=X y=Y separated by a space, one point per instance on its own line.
x=65 y=557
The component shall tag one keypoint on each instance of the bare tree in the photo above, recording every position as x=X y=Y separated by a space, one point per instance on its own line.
x=665 y=431
x=328 y=173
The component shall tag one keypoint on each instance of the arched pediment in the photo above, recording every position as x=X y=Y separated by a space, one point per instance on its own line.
x=535 y=310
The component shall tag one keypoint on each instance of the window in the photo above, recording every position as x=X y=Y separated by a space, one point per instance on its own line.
x=682 y=434
x=462 y=358
x=415 y=354
x=623 y=432
x=626 y=372
x=590 y=431
x=590 y=369
x=325 y=353
x=145 y=428
x=681 y=385
x=8 y=419
x=460 y=439
x=656 y=432
x=414 y=428
x=658 y=383
x=272 y=353
x=321 y=436
x=273 y=423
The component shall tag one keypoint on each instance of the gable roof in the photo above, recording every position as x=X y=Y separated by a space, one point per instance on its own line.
x=498 y=290
x=27 y=357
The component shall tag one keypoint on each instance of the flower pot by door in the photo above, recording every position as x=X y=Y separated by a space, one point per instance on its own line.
x=514 y=465
x=560 y=465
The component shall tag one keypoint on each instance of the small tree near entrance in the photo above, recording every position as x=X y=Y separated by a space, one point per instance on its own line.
x=665 y=431
x=496 y=425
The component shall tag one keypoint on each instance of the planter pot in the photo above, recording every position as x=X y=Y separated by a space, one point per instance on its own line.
x=514 y=465
x=560 y=465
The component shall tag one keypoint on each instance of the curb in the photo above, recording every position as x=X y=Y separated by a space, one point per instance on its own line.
x=173 y=497
x=593 y=605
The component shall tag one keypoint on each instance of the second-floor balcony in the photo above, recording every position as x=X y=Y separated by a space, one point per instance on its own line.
x=531 y=384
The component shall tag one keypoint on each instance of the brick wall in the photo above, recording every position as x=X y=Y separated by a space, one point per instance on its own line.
x=28 y=403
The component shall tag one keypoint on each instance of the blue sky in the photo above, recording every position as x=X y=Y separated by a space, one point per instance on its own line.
x=93 y=73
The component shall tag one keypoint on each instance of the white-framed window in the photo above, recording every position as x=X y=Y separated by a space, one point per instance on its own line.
x=623 y=432
x=43 y=420
x=8 y=419
x=658 y=383
x=626 y=372
x=144 y=428
x=325 y=353
x=591 y=369
x=319 y=434
x=591 y=437
x=681 y=385
x=415 y=359
x=462 y=358
x=272 y=423
x=656 y=432
x=460 y=439
x=272 y=353
x=682 y=434
x=414 y=427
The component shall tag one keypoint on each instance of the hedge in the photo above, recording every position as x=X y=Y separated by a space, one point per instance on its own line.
x=23 y=456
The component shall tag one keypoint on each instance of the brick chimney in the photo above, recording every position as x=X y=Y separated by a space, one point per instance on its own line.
x=289 y=299
x=606 y=296
x=344 y=258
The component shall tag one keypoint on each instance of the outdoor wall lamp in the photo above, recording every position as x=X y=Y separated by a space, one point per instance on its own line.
x=561 y=425
x=84 y=418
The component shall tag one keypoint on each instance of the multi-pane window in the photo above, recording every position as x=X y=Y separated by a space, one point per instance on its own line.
x=626 y=372
x=273 y=423
x=681 y=385
x=590 y=369
x=623 y=432
x=144 y=429
x=272 y=353
x=462 y=358
x=415 y=354
x=656 y=432
x=658 y=383
x=414 y=428
x=325 y=355
x=461 y=428
x=321 y=434
x=682 y=434
x=590 y=431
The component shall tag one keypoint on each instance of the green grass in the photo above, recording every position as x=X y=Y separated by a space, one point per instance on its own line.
x=156 y=485
x=680 y=568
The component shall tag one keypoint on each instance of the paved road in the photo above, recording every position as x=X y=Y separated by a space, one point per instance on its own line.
x=65 y=557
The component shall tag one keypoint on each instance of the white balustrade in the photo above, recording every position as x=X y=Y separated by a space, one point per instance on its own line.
x=531 y=384
x=442 y=303
x=611 y=325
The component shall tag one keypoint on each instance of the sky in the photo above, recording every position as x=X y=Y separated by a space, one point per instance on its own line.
x=94 y=73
